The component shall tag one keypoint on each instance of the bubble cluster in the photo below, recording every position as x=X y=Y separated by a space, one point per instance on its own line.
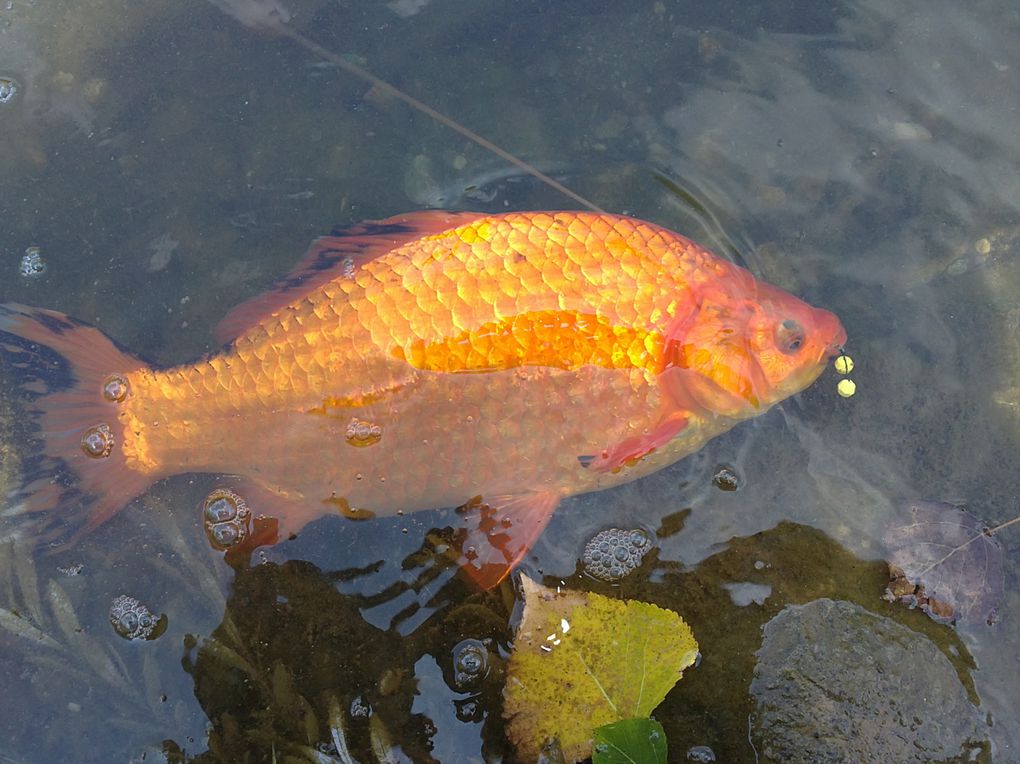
x=226 y=518
x=8 y=90
x=362 y=433
x=614 y=553
x=133 y=620
x=360 y=708
x=32 y=263
x=97 y=441
x=470 y=663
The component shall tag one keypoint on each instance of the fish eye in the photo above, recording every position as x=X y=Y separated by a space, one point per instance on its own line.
x=789 y=336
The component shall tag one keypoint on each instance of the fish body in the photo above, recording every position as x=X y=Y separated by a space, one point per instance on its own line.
x=439 y=359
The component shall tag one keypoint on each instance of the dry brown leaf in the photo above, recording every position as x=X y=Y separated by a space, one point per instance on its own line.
x=944 y=561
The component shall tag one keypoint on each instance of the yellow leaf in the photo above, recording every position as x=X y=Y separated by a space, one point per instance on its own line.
x=583 y=660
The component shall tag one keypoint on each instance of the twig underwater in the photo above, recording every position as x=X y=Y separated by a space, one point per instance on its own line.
x=985 y=533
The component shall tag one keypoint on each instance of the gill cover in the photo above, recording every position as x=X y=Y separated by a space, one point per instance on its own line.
x=746 y=346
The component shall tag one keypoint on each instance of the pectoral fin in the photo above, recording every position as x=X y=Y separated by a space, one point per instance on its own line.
x=631 y=450
x=500 y=532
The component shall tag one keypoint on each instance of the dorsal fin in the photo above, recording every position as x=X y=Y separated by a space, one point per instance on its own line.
x=333 y=256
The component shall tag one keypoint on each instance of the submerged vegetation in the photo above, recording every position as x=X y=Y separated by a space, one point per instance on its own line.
x=311 y=664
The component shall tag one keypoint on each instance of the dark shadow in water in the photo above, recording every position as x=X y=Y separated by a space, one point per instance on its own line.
x=295 y=665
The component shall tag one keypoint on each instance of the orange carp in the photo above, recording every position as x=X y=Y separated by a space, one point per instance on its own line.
x=497 y=363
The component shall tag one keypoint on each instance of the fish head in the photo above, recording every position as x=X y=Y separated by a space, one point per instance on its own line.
x=747 y=345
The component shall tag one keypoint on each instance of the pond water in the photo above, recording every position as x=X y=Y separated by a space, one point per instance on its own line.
x=163 y=161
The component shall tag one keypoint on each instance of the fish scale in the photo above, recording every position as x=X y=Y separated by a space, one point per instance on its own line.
x=376 y=323
x=436 y=358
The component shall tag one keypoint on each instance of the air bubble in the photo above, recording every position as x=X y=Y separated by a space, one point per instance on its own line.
x=127 y=624
x=134 y=621
x=220 y=510
x=470 y=663
x=701 y=754
x=614 y=553
x=32 y=263
x=225 y=535
x=362 y=433
x=115 y=388
x=97 y=441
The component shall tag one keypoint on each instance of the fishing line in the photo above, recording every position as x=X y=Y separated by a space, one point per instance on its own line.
x=273 y=18
x=721 y=241
x=270 y=16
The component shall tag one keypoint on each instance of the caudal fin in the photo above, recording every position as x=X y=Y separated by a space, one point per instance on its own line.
x=63 y=380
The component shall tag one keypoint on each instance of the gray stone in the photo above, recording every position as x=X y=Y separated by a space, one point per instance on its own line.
x=837 y=683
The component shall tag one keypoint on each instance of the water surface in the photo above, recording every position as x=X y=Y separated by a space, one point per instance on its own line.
x=169 y=161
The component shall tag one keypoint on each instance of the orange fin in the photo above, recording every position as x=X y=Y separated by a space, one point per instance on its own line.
x=336 y=256
x=500 y=531
x=265 y=531
x=61 y=367
x=631 y=450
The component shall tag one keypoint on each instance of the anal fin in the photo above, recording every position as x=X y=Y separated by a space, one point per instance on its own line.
x=500 y=532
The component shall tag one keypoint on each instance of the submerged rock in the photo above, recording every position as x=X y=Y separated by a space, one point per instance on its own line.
x=835 y=682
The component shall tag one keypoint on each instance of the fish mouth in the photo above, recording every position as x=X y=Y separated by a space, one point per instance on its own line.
x=830 y=326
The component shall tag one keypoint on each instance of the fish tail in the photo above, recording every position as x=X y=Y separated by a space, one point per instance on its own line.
x=65 y=381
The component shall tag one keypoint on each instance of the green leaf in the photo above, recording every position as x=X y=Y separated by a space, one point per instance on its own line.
x=632 y=741
x=581 y=661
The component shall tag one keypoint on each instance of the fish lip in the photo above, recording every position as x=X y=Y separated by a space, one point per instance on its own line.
x=835 y=346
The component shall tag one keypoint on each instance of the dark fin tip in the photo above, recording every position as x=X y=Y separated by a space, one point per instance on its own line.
x=54 y=367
